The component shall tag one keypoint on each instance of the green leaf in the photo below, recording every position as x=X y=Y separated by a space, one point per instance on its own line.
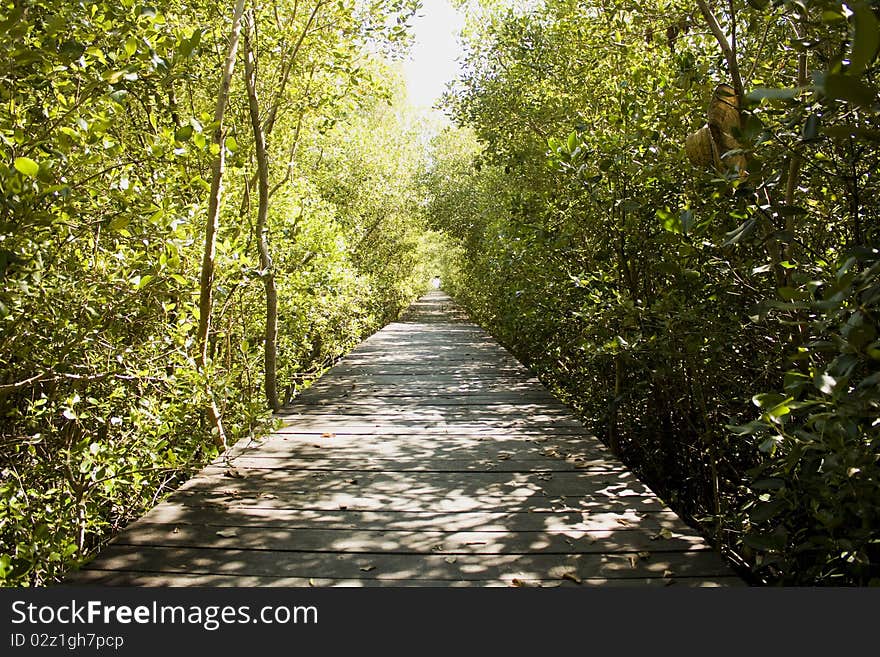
x=687 y=220
x=184 y=133
x=770 y=483
x=847 y=131
x=769 y=399
x=769 y=445
x=231 y=144
x=740 y=232
x=27 y=166
x=765 y=93
x=118 y=223
x=130 y=46
x=765 y=511
x=669 y=220
x=811 y=128
x=866 y=39
x=765 y=542
x=848 y=88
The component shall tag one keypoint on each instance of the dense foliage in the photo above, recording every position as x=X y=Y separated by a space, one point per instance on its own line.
x=109 y=147
x=669 y=210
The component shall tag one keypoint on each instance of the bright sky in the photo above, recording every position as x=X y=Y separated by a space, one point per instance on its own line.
x=432 y=62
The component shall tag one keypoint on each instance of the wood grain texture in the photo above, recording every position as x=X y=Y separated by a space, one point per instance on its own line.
x=427 y=457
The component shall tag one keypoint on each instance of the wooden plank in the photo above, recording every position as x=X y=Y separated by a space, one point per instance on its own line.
x=462 y=445
x=353 y=463
x=133 y=578
x=620 y=483
x=230 y=498
x=428 y=457
x=384 y=541
x=423 y=428
x=652 y=522
x=396 y=567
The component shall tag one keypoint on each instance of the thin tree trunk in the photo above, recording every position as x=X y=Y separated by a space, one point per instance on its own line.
x=206 y=282
x=268 y=275
x=727 y=48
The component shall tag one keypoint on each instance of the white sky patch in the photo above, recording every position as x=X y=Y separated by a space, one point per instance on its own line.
x=432 y=62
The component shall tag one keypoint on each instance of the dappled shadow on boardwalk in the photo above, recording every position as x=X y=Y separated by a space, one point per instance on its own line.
x=429 y=456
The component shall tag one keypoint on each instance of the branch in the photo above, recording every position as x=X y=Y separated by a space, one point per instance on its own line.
x=726 y=48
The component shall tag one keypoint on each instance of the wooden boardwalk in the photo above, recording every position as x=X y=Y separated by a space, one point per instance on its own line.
x=429 y=457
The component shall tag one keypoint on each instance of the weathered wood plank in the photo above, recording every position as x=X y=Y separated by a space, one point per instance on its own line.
x=427 y=457
x=396 y=567
x=470 y=484
x=384 y=541
x=487 y=461
x=653 y=522
x=133 y=578
x=438 y=501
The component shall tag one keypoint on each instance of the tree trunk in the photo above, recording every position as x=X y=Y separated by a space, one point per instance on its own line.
x=268 y=275
x=206 y=282
x=728 y=48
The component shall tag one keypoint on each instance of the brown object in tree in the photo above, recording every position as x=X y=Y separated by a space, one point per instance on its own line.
x=700 y=148
x=709 y=144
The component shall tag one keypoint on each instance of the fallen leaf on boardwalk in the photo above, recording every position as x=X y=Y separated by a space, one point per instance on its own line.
x=367 y=569
x=268 y=496
x=351 y=481
x=235 y=474
x=663 y=533
x=342 y=507
x=450 y=560
x=622 y=521
x=316 y=445
x=668 y=573
x=517 y=582
x=175 y=531
x=227 y=533
x=644 y=555
x=437 y=548
x=571 y=577
x=312 y=582
x=633 y=560
x=328 y=435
